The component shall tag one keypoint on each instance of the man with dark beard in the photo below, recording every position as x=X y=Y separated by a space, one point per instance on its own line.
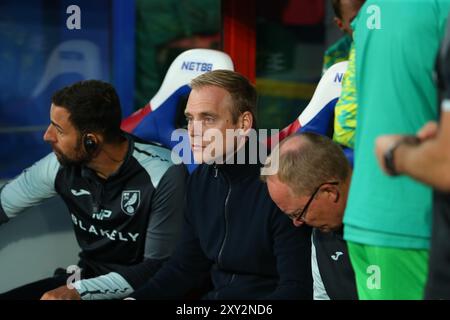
x=123 y=195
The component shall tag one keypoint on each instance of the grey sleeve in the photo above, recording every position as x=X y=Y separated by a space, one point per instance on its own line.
x=106 y=287
x=30 y=188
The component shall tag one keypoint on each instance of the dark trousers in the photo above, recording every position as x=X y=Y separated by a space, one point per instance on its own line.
x=438 y=285
x=35 y=290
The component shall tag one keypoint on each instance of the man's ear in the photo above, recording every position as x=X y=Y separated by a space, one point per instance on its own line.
x=332 y=192
x=246 y=121
x=339 y=23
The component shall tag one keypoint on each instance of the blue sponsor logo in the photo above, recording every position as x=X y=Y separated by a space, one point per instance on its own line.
x=196 y=66
x=338 y=77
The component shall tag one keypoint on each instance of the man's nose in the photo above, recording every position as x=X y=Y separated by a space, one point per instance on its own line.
x=195 y=128
x=48 y=136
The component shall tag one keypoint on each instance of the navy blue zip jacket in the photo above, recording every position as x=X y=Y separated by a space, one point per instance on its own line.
x=234 y=231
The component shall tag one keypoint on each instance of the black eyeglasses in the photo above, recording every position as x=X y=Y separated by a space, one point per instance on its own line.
x=301 y=215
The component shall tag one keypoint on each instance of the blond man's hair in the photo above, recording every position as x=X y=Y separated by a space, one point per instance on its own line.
x=242 y=92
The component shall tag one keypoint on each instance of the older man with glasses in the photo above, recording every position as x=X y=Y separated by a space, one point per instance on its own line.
x=311 y=187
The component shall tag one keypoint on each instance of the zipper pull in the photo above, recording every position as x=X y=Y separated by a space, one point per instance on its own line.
x=215 y=171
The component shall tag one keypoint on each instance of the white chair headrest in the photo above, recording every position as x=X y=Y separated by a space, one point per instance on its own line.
x=186 y=67
x=329 y=88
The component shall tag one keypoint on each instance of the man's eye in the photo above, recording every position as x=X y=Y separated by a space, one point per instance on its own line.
x=209 y=120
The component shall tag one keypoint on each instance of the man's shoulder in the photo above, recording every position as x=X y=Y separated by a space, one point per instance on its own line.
x=155 y=160
x=48 y=166
x=343 y=44
x=148 y=152
x=337 y=52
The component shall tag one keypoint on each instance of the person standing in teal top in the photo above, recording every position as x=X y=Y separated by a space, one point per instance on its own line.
x=388 y=220
x=428 y=161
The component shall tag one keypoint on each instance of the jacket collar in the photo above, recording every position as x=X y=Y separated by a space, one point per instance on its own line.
x=238 y=170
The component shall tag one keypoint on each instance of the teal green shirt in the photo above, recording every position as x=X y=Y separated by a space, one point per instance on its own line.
x=396 y=45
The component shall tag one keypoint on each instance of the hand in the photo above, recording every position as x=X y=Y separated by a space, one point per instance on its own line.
x=61 y=293
x=428 y=131
x=382 y=144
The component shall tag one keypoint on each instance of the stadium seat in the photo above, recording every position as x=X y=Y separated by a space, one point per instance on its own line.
x=318 y=116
